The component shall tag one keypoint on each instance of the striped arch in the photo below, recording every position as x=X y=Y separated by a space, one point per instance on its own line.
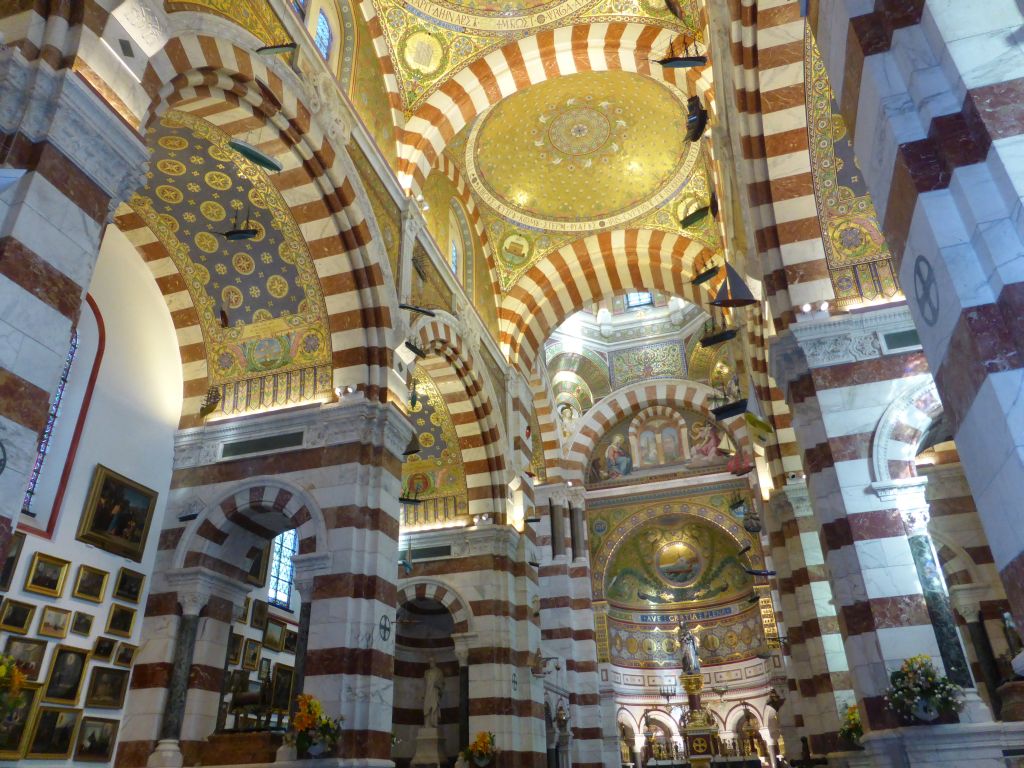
x=656 y=412
x=958 y=566
x=235 y=529
x=486 y=81
x=468 y=200
x=632 y=400
x=471 y=401
x=547 y=423
x=596 y=267
x=239 y=91
x=429 y=589
x=900 y=430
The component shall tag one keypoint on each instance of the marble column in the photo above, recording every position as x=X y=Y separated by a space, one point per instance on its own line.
x=306 y=568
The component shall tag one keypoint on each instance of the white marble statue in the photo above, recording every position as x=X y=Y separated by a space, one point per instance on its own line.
x=433 y=680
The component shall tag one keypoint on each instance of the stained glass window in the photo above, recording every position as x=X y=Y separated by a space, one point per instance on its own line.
x=323 y=38
x=299 y=6
x=639 y=299
x=282 y=572
x=51 y=421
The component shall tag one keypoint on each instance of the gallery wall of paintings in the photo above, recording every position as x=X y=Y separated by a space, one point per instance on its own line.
x=75 y=584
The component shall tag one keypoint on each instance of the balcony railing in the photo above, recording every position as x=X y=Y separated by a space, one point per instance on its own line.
x=434 y=512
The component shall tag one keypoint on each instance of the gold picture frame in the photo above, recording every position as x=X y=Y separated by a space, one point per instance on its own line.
x=128 y=586
x=96 y=739
x=11 y=561
x=273 y=634
x=46 y=575
x=64 y=678
x=53 y=733
x=124 y=656
x=54 y=622
x=251 y=654
x=90 y=584
x=117 y=515
x=81 y=623
x=15 y=729
x=103 y=648
x=107 y=688
x=16 y=616
x=28 y=653
x=120 y=620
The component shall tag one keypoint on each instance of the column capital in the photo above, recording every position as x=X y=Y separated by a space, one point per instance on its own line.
x=196 y=585
x=58 y=107
x=462 y=645
x=908 y=496
x=966 y=599
x=307 y=568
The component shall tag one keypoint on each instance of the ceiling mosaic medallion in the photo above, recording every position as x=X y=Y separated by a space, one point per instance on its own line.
x=581 y=153
x=259 y=301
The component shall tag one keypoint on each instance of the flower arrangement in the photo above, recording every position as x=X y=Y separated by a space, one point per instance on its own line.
x=312 y=732
x=481 y=751
x=12 y=679
x=851 y=730
x=917 y=690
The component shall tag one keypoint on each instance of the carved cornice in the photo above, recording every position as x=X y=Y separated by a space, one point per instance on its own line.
x=59 y=108
x=351 y=420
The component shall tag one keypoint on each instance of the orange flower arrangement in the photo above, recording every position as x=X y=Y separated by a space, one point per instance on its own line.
x=12 y=680
x=481 y=751
x=311 y=729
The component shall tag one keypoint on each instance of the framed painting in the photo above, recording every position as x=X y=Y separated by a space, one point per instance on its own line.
x=46 y=575
x=234 y=648
x=264 y=673
x=11 y=561
x=90 y=584
x=128 y=586
x=107 y=687
x=291 y=641
x=117 y=514
x=53 y=733
x=64 y=680
x=14 y=727
x=281 y=689
x=16 y=616
x=125 y=655
x=96 y=739
x=54 y=622
x=258 y=619
x=103 y=649
x=273 y=635
x=257 y=575
x=251 y=654
x=120 y=620
x=28 y=654
x=81 y=623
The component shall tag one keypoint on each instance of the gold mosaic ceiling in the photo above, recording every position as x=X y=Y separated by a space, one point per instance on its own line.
x=430 y=40
x=582 y=152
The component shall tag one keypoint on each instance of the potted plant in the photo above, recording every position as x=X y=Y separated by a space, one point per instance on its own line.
x=313 y=733
x=481 y=751
x=918 y=692
x=851 y=730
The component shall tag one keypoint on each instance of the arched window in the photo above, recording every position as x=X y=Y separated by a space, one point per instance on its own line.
x=299 y=6
x=282 y=571
x=456 y=242
x=324 y=38
x=51 y=422
x=639 y=299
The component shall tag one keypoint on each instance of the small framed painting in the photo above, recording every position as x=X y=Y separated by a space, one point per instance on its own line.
x=291 y=641
x=11 y=561
x=46 y=575
x=103 y=648
x=125 y=655
x=264 y=673
x=281 y=690
x=96 y=739
x=54 y=622
x=258 y=619
x=81 y=624
x=120 y=620
x=16 y=616
x=251 y=654
x=64 y=679
x=53 y=733
x=128 y=586
x=234 y=648
x=107 y=687
x=273 y=635
x=117 y=514
x=90 y=584
x=28 y=654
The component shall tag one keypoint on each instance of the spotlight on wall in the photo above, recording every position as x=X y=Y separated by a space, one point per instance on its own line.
x=806 y=308
x=823 y=307
x=273 y=50
x=421 y=310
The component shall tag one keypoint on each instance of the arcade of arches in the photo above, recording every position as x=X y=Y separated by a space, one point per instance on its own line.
x=634 y=382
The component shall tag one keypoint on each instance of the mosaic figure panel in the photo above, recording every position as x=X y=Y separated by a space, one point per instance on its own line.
x=437 y=470
x=652 y=361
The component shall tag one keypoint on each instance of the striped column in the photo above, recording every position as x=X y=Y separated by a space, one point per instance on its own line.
x=78 y=160
x=932 y=96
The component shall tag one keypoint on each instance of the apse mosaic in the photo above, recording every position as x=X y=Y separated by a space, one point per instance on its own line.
x=547 y=165
x=640 y=446
x=674 y=559
x=259 y=301
x=429 y=290
x=642 y=646
x=857 y=254
x=437 y=470
x=429 y=40
x=385 y=211
x=666 y=360
x=369 y=93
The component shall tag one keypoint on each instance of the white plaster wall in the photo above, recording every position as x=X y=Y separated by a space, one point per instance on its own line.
x=129 y=428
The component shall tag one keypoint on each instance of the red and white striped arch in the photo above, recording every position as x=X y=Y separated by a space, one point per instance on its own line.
x=468 y=200
x=472 y=404
x=445 y=594
x=239 y=91
x=632 y=400
x=486 y=81
x=587 y=270
x=899 y=432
